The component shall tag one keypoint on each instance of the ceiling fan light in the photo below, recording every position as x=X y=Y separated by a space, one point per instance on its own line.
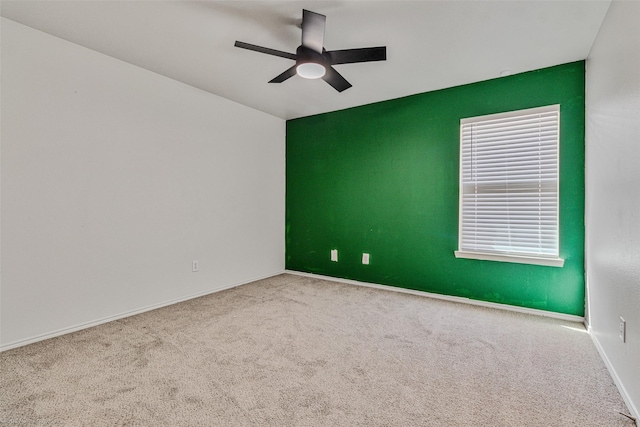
x=311 y=70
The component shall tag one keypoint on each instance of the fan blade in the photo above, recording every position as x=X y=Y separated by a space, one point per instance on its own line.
x=336 y=80
x=266 y=50
x=313 y=30
x=284 y=76
x=350 y=56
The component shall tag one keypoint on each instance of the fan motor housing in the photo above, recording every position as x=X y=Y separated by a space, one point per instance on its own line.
x=305 y=55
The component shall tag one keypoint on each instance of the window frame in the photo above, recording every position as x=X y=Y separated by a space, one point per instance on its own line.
x=514 y=257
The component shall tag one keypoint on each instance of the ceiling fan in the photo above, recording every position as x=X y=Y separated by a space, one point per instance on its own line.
x=312 y=60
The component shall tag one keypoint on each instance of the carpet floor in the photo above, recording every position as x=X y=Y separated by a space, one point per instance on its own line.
x=299 y=351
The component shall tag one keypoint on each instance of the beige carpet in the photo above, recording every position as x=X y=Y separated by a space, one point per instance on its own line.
x=296 y=351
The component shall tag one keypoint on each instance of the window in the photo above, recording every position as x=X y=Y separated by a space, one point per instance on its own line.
x=509 y=187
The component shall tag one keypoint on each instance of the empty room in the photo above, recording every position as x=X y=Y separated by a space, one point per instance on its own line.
x=320 y=213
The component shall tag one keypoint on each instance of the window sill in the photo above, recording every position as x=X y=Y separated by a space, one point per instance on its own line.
x=550 y=262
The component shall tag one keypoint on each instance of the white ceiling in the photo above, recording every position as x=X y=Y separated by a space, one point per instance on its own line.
x=430 y=44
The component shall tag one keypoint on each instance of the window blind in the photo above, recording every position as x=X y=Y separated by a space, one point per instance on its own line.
x=509 y=183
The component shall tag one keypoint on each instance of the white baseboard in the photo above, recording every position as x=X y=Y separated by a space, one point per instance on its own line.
x=616 y=379
x=107 y=319
x=562 y=316
x=97 y=322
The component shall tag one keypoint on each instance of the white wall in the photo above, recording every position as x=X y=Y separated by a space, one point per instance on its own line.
x=612 y=194
x=113 y=179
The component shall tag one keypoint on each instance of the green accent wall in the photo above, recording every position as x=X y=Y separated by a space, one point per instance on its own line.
x=383 y=179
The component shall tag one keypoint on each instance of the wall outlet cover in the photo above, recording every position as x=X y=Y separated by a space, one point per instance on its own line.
x=623 y=330
x=365 y=258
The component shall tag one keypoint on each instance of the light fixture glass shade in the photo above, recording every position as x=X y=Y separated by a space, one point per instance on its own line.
x=310 y=70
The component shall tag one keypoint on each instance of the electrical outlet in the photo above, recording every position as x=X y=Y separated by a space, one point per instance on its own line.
x=365 y=258
x=194 y=266
x=334 y=255
x=623 y=330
